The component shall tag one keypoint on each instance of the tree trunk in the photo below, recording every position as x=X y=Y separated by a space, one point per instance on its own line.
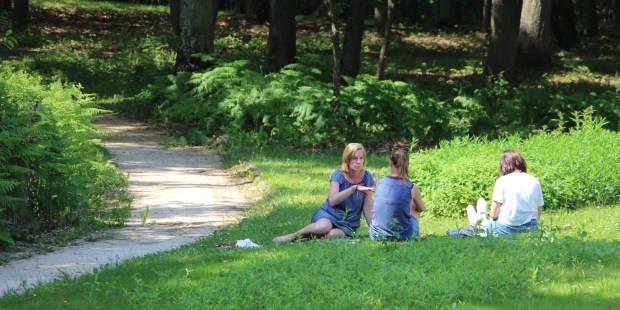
x=591 y=19
x=282 y=32
x=486 y=16
x=262 y=11
x=616 y=10
x=446 y=12
x=386 y=40
x=502 y=42
x=406 y=11
x=335 y=33
x=20 y=14
x=564 y=23
x=534 y=34
x=175 y=7
x=380 y=15
x=5 y=5
x=353 y=34
x=197 y=33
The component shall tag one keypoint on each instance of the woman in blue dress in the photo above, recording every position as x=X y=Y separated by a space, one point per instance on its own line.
x=350 y=194
x=398 y=202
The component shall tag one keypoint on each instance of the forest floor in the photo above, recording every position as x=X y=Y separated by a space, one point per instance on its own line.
x=187 y=194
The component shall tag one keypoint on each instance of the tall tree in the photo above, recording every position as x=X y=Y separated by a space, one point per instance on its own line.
x=196 y=33
x=380 y=16
x=175 y=11
x=446 y=12
x=353 y=34
x=5 y=5
x=335 y=10
x=616 y=10
x=20 y=13
x=386 y=40
x=564 y=23
x=591 y=19
x=502 y=41
x=282 y=32
x=486 y=16
x=534 y=34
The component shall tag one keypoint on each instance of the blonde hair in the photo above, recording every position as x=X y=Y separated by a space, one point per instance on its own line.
x=400 y=160
x=349 y=152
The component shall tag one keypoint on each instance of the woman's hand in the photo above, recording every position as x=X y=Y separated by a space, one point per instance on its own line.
x=365 y=189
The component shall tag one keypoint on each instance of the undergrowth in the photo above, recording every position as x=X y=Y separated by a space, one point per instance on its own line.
x=576 y=169
x=53 y=171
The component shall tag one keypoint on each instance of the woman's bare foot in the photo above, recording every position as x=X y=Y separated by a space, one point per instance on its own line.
x=285 y=238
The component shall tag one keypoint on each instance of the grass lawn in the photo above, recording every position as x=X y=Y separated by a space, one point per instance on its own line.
x=571 y=263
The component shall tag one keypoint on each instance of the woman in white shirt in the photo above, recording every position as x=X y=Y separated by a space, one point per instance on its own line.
x=517 y=199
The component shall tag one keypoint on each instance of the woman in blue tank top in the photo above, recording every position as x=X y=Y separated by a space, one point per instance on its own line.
x=350 y=193
x=398 y=202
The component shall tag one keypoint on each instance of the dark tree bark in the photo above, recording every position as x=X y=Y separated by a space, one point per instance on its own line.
x=386 y=40
x=259 y=9
x=486 y=16
x=564 y=23
x=5 y=5
x=262 y=11
x=616 y=13
x=334 y=12
x=407 y=11
x=591 y=19
x=20 y=14
x=380 y=16
x=534 y=34
x=282 y=32
x=175 y=9
x=446 y=12
x=197 y=33
x=502 y=42
x=353 y=34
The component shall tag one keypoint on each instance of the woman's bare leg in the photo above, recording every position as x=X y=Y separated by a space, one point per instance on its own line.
x=319 y=228
x=335 y=233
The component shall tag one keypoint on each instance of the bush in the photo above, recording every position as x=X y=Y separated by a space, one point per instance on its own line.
x=575 y=169
x=51 y=167
x=293 y=107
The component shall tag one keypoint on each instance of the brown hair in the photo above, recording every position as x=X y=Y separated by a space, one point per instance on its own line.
x=348 y=153
x=510 y=162
x=400 y=160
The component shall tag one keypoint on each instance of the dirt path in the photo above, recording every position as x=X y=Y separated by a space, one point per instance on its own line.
x=187 y=194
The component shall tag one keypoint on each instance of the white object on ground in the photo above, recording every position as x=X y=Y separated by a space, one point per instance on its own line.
x=246 y=243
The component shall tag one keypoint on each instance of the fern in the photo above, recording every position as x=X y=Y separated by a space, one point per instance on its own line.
x=50 y=162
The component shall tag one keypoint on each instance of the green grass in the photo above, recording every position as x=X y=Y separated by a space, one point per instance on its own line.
x=571 y=263
x=102 y=5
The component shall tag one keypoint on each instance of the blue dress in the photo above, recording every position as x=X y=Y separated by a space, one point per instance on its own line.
x=391 y=218
x=347 y=214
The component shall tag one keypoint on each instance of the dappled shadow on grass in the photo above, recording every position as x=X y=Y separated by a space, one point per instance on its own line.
x=564 y=269
x=100 y=49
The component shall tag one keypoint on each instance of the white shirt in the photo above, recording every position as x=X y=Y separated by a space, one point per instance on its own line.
x=520 y=195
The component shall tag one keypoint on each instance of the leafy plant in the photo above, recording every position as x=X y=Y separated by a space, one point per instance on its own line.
x=576 y=169
x=53 y=171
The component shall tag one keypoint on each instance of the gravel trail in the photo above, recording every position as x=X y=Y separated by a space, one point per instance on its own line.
x=187 y=194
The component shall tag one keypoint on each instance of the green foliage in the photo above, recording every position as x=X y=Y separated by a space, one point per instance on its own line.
x=576 y=169
x=570 y=263
x=7 y=39
x=52 y=168
x=293 y=107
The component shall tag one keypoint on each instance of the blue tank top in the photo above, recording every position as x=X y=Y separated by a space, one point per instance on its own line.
x=349 y=211
x=390 y=211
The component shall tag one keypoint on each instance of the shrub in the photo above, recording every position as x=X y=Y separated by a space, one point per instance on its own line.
x=52 y=169
x=575 y=169
x=293 y=107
